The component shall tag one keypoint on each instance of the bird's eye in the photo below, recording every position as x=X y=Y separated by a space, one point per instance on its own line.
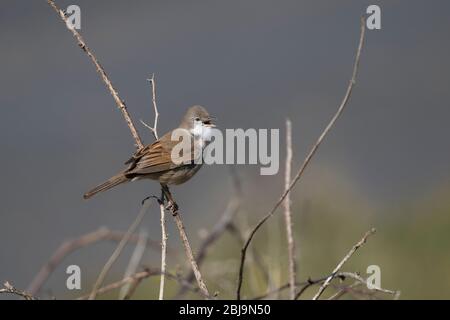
x=197 y=119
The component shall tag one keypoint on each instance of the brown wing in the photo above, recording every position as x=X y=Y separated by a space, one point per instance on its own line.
x=154 y=158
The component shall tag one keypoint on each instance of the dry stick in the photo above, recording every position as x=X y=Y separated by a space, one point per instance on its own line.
x=120 y=104
x=189 y=254
x=119 y=249
x=343 y=261
x=135 y=260
x=176 y=216
x=288 y=213
x=224 y=223
x=218 y=229
x=163 y=250
x=9 y=288
x=154 y=130
x=306 y=161
x=69 y=246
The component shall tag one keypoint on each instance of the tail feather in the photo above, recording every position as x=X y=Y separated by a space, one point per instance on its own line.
x=114 y=181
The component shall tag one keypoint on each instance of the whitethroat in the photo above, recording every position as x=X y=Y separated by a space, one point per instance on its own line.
x=155 y=160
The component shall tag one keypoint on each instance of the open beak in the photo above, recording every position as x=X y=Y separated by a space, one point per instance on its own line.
x=210 y=122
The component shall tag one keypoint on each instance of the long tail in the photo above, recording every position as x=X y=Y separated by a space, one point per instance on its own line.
x=114 y=181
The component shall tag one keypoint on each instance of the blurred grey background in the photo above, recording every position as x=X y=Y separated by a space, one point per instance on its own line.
x=252 y=64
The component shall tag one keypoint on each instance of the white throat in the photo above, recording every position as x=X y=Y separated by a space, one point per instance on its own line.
x=202 y=132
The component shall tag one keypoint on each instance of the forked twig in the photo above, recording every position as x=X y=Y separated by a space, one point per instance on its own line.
x=306 y=161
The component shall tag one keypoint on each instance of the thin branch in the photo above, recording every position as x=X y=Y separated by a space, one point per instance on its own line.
x=69 y=246
x=154 y=129
x=119 y=249
x=189 y=254
x=135 y=260
x=224 y=223
x=306 y=161
x=343 y=261
x=254 y=254
x=288 y=213
x=119 y=102
x=173 y=207
x=218 y=229
x=164 y=237
x=9 y=288
x=163 y=250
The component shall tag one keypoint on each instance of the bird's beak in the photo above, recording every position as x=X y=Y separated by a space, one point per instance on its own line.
x=210 y=122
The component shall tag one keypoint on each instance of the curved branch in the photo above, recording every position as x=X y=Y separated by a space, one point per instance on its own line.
x=306 y=161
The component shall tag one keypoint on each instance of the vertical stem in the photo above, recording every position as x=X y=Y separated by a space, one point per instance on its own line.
x=163 y=250
x=288 y=213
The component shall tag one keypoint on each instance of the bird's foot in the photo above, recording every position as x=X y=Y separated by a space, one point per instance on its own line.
x=173 y=207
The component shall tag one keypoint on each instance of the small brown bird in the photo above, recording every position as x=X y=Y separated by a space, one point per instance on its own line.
x=155 y=160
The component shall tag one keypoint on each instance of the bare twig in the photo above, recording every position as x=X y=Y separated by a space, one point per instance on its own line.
x=306 y=161
x=218 y=229
x=163 y=250
x=69 y=246
x=224 y=223
x=119 y=102
x=119 y=249
x=189 y=254
x=135 y=260
x=288 y=213
x=153 y=129
x=343 y=261
x=9 y=288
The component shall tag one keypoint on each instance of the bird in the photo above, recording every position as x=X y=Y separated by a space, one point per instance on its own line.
x=155 y=161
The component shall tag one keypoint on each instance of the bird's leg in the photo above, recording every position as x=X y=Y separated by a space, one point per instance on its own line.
x=171 y=204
